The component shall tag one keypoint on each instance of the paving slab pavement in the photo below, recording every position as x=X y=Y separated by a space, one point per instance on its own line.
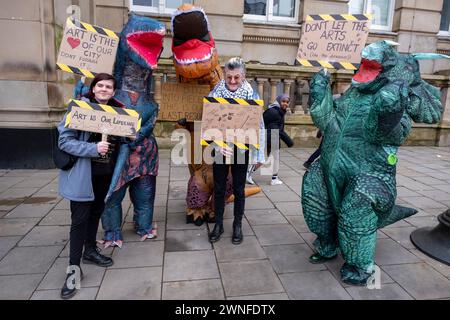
x=271 y=263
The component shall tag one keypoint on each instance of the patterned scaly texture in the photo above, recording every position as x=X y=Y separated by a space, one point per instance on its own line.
x=350 y=192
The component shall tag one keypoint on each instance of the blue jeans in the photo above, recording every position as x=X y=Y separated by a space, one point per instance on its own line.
x=142 y=195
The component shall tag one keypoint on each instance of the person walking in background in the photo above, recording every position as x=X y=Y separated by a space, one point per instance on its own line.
x=274 y=124
x=316 y=153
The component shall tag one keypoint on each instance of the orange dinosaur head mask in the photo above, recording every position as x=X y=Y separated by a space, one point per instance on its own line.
x=193 y=46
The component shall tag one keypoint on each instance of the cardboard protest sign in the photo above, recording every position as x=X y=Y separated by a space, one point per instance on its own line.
x=231 y=120
x=92 y=117
x=333 y=41
x=182 y=100
x=87 y=49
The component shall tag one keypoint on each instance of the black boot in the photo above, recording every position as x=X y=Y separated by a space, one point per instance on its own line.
x=317 y=258
x=93 y=256
x=199 y=221
x=216 y=233
x=238 y=237
x=69 y=288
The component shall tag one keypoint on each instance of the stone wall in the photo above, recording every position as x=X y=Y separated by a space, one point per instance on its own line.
x=28 y=90
x=33 y=93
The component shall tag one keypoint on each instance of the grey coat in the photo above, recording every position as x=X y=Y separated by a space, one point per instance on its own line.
x=76 y=183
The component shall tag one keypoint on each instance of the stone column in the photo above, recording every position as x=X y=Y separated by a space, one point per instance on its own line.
x=158 y=87
x=287 y=90
x=287 y=85
x=443 y=134
x=304 y=92
x=445 y=98
x=171 y=77
x=260 y=82
x=417 y=23
x=273 y=89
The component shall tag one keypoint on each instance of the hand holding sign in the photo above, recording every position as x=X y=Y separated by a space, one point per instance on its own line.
x=226 y=151
x=103 y=147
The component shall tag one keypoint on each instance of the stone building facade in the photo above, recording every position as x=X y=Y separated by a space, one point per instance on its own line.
x=265 y=33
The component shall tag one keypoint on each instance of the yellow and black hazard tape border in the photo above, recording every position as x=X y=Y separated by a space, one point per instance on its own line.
x=100 y=107
x=242 y=102
x=338 y=17
x=334 y=17
x=223 y=144
x=83 y=72
x=91 y=28
x=329 y=64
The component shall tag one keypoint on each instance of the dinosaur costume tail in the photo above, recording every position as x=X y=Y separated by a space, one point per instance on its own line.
x=249 y=191
x=397 y=213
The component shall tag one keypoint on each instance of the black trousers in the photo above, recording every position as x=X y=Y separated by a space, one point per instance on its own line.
x=85 y=219
x=316 y=154
x=239 y=172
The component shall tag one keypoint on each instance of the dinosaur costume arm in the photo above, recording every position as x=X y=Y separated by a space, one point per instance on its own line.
x=387 y=122
x=146 y=130
x=321 y=100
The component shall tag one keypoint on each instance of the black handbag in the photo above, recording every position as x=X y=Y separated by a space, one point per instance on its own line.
x=62 y=159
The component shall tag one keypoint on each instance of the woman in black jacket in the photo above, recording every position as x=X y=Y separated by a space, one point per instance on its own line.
x=274 y=123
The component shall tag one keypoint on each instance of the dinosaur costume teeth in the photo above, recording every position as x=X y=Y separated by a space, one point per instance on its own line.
x=194 y=54
x=147 y=45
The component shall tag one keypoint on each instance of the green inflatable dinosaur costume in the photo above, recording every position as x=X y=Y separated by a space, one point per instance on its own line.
x=350 y=192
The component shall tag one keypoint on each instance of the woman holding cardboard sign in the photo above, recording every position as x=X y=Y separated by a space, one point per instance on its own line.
x=234 y=86
x=86 y=183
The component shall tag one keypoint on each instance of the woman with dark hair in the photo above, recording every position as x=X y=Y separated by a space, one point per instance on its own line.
x=87 y=183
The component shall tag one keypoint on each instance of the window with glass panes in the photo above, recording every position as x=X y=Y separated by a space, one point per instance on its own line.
x=382 y=11
x=157 y=6
x=445 y=18
x=271 y=10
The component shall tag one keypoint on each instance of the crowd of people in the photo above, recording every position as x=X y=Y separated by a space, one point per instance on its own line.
x=87 y=183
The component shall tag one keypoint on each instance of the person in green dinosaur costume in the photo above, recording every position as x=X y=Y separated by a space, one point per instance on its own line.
x=350 y=192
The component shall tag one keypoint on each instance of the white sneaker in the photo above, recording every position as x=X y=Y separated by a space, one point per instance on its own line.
x=275 y=182
x=250 y=179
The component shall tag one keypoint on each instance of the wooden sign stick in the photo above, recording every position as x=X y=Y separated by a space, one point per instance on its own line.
x=104 y=139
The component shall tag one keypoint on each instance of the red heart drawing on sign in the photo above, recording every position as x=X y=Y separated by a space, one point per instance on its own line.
x=73 y=42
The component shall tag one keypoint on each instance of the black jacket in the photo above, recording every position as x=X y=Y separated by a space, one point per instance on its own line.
x=274 y=119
